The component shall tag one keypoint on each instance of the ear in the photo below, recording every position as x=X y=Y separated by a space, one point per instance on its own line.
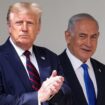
x=67 y=37
x=39 y=27
x=9 y=27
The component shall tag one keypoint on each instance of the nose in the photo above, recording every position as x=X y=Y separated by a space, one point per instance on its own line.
x=88 y=42
x=24 y=26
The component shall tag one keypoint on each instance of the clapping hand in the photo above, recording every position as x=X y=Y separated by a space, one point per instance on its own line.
x=50 y=87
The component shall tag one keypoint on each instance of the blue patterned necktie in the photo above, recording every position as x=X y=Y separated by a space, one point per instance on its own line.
x=89 y=86
x=33 y=73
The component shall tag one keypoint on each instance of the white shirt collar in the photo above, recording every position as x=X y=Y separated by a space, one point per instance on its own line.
x=76 y=63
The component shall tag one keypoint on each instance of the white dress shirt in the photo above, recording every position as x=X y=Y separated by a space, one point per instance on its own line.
x=76 y=63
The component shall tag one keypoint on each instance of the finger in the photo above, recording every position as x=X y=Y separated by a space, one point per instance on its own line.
x=58 y=79
x=62 y=78
x=54 y=73
x=55 y=88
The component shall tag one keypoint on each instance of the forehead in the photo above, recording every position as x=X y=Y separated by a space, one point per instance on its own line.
x=25 y=14
x=86 y=24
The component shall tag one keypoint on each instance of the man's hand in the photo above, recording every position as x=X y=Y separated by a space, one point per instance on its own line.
x=50 y=87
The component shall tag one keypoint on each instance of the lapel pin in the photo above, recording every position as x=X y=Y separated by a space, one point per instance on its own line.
x=43 y=58
x=99 y=70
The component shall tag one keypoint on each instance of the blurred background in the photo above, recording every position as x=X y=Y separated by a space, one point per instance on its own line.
x=56 y=14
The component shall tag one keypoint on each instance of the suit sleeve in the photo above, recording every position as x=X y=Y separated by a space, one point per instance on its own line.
x=9 y=99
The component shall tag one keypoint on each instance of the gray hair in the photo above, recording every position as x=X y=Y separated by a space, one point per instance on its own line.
x=79 y=17
x=23 y=5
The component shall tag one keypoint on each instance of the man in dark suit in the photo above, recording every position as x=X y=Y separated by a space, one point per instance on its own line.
x=81 y=37
x=29 y=75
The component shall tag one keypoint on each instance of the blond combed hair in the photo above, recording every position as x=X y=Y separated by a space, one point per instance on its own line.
x=19 y=6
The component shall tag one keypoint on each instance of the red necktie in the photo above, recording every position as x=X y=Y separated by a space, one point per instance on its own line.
x=33 y=73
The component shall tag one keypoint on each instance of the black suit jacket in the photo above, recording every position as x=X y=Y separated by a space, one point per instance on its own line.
x=77 y=93
x=15 y=87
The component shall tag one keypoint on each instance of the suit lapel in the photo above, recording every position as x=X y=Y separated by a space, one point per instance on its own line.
x=43 y=63
x=17 y=65
x=100 y=81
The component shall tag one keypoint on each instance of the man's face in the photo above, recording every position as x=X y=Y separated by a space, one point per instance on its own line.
x=82 y=42
x=23 y=28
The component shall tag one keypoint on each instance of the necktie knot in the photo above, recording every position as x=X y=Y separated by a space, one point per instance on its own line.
x=85 y=66
x=27 y=53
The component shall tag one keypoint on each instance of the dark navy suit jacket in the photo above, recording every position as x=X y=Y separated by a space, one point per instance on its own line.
x=77 y=93
x=15 y=87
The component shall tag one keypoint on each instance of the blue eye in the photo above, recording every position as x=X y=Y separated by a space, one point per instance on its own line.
x=30 y=23
x=19 y=23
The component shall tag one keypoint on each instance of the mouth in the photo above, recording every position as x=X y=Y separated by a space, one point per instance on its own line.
x=86 y=49
x=24 y=36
